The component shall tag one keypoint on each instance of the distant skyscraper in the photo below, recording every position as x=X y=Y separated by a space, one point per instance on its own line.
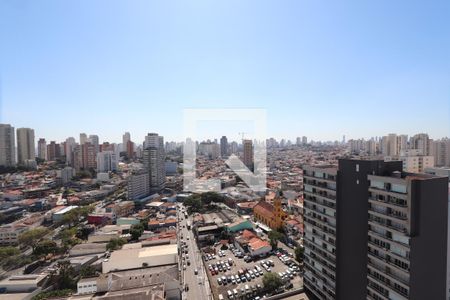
x=422 y=142
x=298 y=141
x=125 y=138
x=224 y=146
x=7 y=145
x=53 y=151
x=25 y=145
x=88 y=156
x=130 y=149
x=154 y=160
x=94 y=140
x=248 y=153
x=70 y=145
x=42 y=149
x=106 y=161
x=304 y=140
x=83 y=138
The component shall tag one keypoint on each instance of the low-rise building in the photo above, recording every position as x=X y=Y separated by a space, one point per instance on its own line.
x=22 y=283
x=137 y=258
x=58 y=215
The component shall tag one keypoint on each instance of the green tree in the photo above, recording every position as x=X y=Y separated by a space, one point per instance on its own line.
x=271 y=281
x=45 y=247
x=299 y=251
x=209 y=197
x=73 y=216
x=8 y=252
x=274 y=237
x=194 y=203
x=115 y=244
x=136 y=231
x=30 y=237
x=65 y=278
x=87 y=271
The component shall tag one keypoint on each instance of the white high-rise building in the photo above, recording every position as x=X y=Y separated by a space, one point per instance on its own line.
x=421 y=142
x=7 y=143
x=106 y=161
x=94 y=140
x=83 y=138
x=25 y=145
x=70 y=146
x=138 y=185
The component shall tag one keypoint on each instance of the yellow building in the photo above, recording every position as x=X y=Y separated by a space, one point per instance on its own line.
x=271 y=215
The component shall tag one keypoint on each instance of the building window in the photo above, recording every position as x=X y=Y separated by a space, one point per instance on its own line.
x=357 y=167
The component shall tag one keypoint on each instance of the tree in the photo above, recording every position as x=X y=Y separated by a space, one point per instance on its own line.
x=136 y=231
x=274 y=237
x=30 y=237
x=73 y=216
x=66 y=274
x=194 y=203
x=299 y=251
x=87 y=271
x=45 y=247
x=7 y=252
x=115 y=244
x=209 y=197
x=271 y=281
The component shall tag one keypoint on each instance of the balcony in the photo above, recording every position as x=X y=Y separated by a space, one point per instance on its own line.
x=374 y=222
x=388 y=239
x=386 y=283
x=323 y=203
x=389 y=261
x=386 y=272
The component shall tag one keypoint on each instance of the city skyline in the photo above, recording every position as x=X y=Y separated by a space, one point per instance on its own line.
x=136 y=68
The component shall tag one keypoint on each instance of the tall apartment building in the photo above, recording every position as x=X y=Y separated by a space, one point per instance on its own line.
x=126 y=137
x=154 y=158
x=374 y=232
x=7 y=146
x=88 y=156
x=209 y=149
x=94 y=140
x=130 y=149
x=83 y=138
x=441 y=152
x=304 y=140
x=417 y=164
x=224 y=146
x=422 y=142
x=138 y=185
x=69 y=147
x=25 y=145
x=53 y=151
x=42 y=149
x=107 y=161
x=248 y=153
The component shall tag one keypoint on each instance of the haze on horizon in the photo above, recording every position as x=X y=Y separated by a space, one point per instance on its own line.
x=320 y=69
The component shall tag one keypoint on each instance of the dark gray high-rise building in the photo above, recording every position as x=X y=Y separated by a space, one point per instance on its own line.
x=374 y=232
x=224 y=146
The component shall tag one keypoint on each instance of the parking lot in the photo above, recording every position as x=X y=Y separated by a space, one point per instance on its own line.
x=233 y=278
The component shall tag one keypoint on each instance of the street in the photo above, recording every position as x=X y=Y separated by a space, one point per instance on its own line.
x=198 y=284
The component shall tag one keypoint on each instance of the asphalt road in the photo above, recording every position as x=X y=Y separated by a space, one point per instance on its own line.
x=198 y=284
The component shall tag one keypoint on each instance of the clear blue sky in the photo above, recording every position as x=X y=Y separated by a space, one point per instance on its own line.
x=320 y=68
